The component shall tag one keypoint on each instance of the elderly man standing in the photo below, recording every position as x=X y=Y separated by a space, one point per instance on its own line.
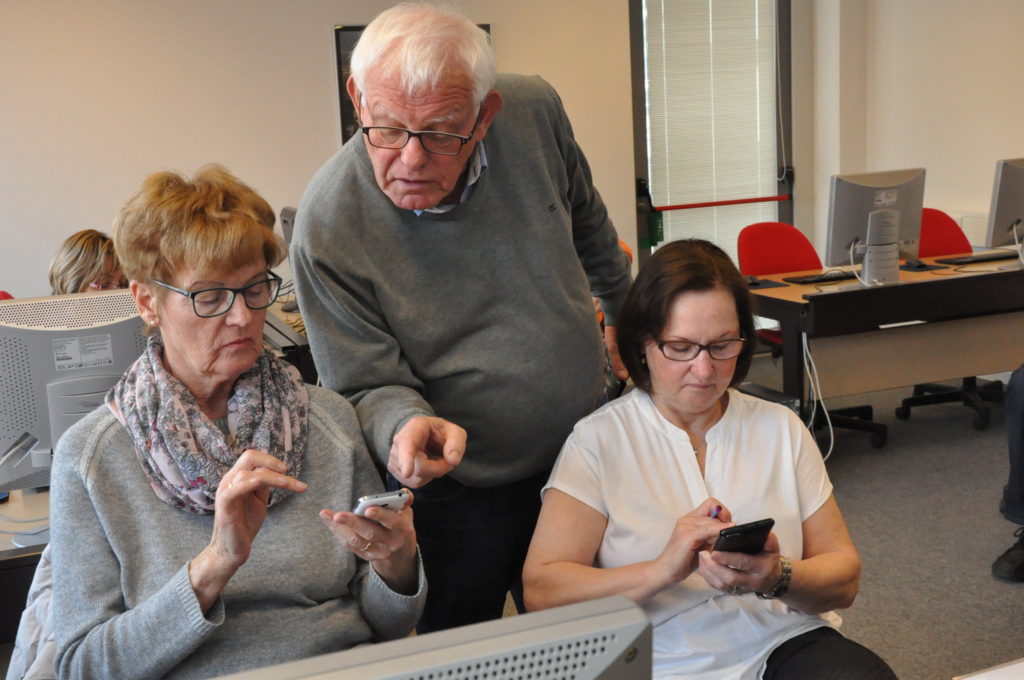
x=444 y=261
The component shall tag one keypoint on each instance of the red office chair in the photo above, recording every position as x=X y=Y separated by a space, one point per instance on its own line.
x=941 y=235
x=777 y=247
x=774 y=247
x=771 y=248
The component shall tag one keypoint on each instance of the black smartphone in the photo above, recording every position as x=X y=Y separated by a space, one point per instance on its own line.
x=746 y=538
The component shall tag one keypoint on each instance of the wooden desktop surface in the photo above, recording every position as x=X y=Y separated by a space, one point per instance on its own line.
x=796 y=292
x=293 y=319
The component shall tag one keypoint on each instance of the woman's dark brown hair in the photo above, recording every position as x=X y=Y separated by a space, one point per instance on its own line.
x=680 y=267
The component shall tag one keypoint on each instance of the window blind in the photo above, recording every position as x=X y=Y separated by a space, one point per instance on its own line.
x=711 y=113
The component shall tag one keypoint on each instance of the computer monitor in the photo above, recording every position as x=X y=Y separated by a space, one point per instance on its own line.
x=606 y=639
x=287 y=223
x=1007 y=204
x=875 y=218
x=58 y=357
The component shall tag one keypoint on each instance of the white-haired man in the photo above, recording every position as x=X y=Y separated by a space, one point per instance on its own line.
x=444 y=261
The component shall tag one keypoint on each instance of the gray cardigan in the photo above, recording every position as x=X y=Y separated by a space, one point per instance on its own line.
x=482 y=315
x=123 y=606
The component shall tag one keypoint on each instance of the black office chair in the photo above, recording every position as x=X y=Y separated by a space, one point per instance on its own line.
x=941 y=235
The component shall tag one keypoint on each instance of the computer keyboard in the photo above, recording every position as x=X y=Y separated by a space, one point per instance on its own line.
x=823 y=277
x=987 y=256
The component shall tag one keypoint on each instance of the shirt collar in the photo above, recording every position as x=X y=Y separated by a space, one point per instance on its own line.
x=477 y=165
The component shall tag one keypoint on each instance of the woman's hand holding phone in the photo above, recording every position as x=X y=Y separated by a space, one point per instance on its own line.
x=380 y=530
x=743 y=559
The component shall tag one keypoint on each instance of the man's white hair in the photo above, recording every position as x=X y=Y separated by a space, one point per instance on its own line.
x=423 y=43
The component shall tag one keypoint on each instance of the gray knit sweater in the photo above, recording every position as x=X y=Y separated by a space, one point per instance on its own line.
x=481 y=315
x=123 y=606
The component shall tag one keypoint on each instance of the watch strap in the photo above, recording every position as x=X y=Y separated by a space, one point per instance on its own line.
x=782 y=585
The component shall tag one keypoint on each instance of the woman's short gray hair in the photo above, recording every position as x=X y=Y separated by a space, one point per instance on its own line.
x=423 y=43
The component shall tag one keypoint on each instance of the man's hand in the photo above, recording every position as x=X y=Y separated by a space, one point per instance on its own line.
x=424 y=449
x=612 y=343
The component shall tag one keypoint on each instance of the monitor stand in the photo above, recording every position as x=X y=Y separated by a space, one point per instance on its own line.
x=31 y=537
x=881 y=266
x=882 y=257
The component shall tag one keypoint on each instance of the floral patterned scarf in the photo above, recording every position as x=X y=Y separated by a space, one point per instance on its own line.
x=183 y=453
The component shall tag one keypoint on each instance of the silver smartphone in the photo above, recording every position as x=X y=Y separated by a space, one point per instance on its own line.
x=392 y=500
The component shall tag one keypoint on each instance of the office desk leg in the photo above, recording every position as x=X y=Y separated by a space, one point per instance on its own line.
x=793 y=364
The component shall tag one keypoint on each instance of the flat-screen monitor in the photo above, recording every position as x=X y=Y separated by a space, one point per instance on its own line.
x=287 y=223
x=58 y=358
x=1007 y=203
x=875 y=218
x=608 y=639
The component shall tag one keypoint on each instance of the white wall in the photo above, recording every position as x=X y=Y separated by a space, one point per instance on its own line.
x=95 y=94
x=908 y=83
x=946 y=92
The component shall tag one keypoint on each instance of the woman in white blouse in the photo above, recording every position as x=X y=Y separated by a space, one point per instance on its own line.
x=643 y=486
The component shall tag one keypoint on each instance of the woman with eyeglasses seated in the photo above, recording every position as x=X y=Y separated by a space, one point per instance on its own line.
x=644 y=485
x=85 y=262
x=201 y=520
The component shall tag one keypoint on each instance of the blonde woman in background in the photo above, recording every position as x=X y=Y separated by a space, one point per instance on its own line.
x=85 y=262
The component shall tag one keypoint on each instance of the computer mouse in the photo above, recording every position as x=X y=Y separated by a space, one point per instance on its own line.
x=914 y=263
x=752 y=280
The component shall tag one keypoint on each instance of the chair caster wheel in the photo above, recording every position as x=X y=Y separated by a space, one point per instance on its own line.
x=903 y=412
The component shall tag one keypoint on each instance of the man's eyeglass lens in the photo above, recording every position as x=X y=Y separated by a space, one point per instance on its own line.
x=442 y=143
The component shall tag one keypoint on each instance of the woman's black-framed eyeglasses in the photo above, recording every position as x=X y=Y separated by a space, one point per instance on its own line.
x=684 y=350
x=210 y=302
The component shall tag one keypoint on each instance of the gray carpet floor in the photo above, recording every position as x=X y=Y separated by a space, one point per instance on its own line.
x=923 y=512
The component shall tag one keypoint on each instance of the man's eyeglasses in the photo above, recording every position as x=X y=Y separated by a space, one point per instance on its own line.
x=210 y=302
x=442 y=143
x=682 y=350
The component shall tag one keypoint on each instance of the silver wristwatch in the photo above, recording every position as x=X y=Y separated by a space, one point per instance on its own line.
x=782 y=585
